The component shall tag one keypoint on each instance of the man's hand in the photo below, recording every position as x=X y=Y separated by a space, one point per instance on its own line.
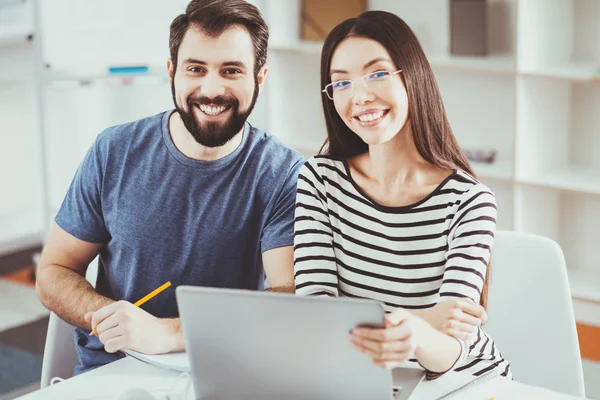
x=459 y=318
x=123 y=325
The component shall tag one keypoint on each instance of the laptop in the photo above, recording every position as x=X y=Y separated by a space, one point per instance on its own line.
x=272 y=346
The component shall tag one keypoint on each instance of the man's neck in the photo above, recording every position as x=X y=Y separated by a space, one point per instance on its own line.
x=187 y=145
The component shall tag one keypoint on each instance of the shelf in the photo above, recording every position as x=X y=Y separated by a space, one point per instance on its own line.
x=584 y=285
x=313 y=48
x=573 y=178
x=17 y=34
x=493 y=64
x=576 y=71
x=68 y=79
x=498 y=171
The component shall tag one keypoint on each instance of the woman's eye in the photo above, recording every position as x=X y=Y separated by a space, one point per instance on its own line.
x=378 y=75
x=340 y=85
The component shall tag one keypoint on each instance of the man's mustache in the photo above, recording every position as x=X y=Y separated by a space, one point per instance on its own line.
x=218 y=101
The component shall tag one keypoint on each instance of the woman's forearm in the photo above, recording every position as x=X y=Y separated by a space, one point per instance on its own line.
x=436 y=351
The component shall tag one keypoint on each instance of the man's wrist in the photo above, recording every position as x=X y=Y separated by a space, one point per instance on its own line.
x=174 y=334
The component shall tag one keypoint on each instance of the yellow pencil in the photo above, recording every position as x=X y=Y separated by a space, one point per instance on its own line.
x=145 y=299
x=151 y=294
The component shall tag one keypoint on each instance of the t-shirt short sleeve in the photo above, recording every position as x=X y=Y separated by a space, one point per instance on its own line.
x=81 y=211
x=279 y=229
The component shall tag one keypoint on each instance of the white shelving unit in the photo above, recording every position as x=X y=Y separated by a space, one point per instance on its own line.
x=535 y=99
x=21 y=202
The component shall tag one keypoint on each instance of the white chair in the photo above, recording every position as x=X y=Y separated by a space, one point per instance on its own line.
x=531 y=312
x=60 y=356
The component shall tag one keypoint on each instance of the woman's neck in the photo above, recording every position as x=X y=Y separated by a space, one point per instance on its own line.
x=396 y=162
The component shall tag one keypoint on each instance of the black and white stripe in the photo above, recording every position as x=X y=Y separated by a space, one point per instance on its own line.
x=410 y=257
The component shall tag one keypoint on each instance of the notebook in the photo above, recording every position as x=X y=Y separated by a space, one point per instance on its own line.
x=173 y=361
x=449 y=384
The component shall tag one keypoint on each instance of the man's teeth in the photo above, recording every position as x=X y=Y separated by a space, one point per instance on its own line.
x=212 y=110
x=370 y=117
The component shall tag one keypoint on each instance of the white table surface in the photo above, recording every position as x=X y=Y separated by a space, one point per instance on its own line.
x=109 y=381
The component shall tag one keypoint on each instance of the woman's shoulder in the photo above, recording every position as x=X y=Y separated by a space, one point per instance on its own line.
x=322 y=166
x=471 y=188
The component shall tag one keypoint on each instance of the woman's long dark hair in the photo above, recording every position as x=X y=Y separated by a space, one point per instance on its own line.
x=431 y=130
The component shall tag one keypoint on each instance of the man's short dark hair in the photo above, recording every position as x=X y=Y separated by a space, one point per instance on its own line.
x=213 y=17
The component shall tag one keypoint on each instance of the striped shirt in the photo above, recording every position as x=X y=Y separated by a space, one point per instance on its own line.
x=407 y=257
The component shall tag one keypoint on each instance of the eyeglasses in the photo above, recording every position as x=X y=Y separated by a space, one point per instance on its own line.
x=373 y=81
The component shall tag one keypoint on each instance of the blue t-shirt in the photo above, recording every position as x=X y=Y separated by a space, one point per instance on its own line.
x=166 y=217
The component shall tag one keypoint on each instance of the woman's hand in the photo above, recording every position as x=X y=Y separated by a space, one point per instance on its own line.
x=455 y=317
x=393 y=345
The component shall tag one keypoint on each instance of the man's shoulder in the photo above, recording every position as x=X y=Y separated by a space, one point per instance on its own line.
x=116 y=137
x=270 y=148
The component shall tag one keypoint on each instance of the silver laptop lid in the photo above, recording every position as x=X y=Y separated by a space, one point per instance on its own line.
x=271 y=346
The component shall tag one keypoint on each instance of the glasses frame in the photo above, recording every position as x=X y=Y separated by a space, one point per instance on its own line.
x=392 y=74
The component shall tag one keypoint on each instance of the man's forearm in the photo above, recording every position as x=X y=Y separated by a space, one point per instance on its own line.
x=68 y=294
x=282 y=289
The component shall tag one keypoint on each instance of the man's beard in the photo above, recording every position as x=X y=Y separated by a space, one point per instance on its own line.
x=213 y=133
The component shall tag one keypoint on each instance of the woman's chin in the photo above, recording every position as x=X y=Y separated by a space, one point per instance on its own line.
x=376 y=138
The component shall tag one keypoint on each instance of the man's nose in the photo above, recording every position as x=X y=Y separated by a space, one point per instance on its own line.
x=212 y=87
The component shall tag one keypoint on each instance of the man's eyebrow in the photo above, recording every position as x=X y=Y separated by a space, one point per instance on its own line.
x=234 y=64
x=194 y=61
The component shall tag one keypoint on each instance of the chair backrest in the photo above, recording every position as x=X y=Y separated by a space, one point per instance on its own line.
x=531 y=312
x=60 y=356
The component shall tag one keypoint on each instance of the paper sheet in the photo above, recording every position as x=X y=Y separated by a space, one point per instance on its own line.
x=173 y=361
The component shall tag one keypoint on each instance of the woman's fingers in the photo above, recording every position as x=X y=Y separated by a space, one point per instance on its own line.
x=469 y=320
x=398 y=332
x=388 y=347
x=385 y=357
x=460 y=326
x=476 y=310
x=383 y=348
x=389 y=364
x=396 y=317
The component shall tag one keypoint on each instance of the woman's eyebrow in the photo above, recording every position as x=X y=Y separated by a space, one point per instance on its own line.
x=367 y=65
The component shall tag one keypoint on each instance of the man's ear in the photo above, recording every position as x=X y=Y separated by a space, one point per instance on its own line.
x=170 y=69
x=260 y=78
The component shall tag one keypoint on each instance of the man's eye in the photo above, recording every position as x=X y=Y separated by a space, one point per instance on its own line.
x=195 y=69
x=232 y=71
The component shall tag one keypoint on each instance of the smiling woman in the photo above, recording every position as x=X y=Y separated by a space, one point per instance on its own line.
x=391 y=210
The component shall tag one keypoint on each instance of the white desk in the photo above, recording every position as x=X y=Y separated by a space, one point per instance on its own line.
x=108 y=381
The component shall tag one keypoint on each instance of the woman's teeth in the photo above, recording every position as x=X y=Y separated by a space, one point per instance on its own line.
x=370 y=117
x=212 y=110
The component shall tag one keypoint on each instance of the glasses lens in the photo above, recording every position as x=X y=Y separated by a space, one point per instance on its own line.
x=377 y=79
x=329 y=91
